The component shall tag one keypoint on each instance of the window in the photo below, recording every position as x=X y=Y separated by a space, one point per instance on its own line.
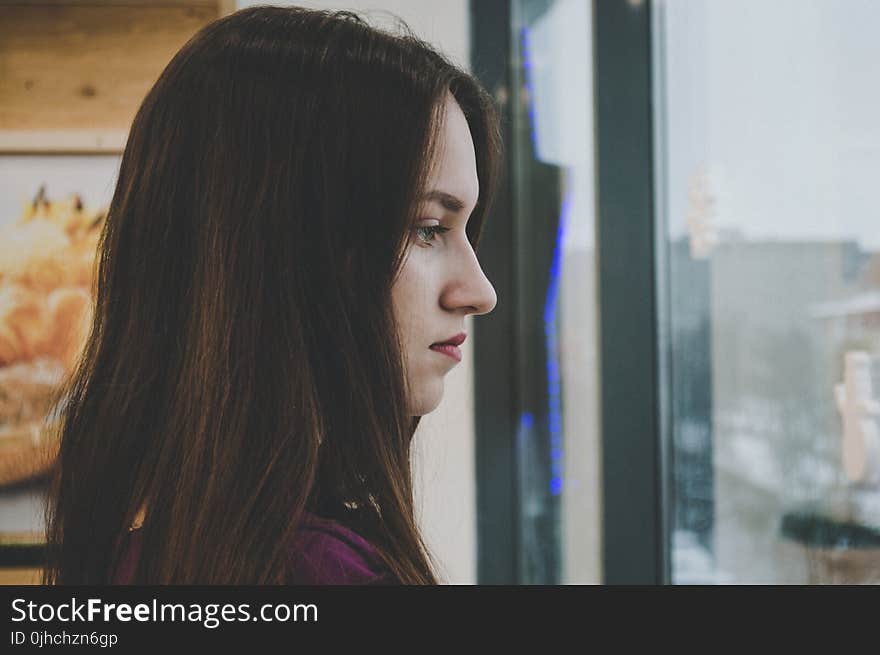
x=770 y=151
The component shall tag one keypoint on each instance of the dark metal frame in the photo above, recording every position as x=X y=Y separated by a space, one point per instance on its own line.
x=635 y=533
x=495 y=371
x=631 y=261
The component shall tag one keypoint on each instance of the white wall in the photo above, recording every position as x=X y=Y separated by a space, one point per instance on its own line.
x=444 y=465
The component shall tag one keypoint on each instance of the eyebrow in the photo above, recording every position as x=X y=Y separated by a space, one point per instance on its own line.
x=449 y=201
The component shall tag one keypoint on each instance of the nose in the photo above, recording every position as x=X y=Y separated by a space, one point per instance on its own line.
x=468 y=288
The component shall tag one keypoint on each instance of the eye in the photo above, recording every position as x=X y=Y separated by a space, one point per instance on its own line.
x=426 y=233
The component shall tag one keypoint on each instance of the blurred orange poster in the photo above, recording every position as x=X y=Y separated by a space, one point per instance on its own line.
x=47 y=258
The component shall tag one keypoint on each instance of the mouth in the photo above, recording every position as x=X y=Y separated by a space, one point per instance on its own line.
x=450 y=347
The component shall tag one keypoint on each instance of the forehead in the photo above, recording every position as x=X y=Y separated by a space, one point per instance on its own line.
x=454 y=169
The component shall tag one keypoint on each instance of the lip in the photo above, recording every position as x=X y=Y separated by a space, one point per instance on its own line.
x=450 y=347
x=447 y=349
x=455 y=340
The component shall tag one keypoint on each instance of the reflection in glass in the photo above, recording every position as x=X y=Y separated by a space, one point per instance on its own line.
x=769 y=120
x=552 y=151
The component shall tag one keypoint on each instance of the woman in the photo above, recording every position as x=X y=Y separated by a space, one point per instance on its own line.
x=292 y=233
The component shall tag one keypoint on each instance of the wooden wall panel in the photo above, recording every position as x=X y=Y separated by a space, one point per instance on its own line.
x=74 y=68
x=20 y=576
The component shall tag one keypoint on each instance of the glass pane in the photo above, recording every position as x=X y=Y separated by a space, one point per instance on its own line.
x=768 y=128
x=552 y=153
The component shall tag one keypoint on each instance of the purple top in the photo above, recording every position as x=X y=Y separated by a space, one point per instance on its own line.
x=324 y=552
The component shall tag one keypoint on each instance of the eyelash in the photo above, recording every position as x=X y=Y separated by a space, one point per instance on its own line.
x=433 y=230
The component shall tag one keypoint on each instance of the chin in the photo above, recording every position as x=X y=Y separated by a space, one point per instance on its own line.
x=428 y=400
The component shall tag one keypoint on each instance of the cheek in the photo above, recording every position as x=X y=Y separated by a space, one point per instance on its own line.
x=412 y=290
x=412 y=298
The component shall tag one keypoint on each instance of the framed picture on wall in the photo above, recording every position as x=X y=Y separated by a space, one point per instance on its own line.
x=48 y=241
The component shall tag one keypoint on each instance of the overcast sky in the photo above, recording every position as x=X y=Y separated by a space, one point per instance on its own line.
x=779 y=102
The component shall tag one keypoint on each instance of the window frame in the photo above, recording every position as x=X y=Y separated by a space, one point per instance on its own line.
x=631 y=262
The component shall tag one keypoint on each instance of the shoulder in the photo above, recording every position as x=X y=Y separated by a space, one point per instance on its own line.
x=327 y=552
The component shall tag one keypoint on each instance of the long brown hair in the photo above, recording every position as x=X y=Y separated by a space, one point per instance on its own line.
x=244 y=364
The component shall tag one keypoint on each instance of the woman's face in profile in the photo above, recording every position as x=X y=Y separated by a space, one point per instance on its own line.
x=441 y=281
